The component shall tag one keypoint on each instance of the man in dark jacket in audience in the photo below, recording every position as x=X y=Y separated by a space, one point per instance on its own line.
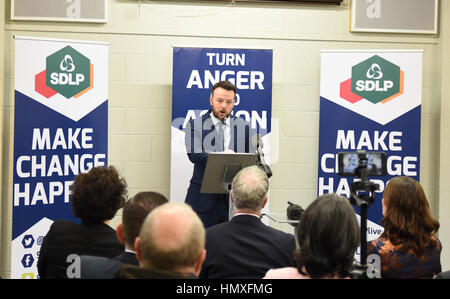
x=245 y=247
x=133 y=215
x=171 y=244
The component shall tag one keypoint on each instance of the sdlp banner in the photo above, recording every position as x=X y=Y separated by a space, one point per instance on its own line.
x=369 y=100
x=60 y=130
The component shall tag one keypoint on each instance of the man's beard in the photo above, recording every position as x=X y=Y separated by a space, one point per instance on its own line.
x=217 y=115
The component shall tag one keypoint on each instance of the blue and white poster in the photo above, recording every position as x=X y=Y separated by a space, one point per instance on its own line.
x=369 y=100
x=195 y=71
x=60 y=130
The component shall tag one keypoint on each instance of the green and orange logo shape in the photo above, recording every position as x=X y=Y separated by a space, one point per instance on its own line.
x=67 y=72
x=375 y=79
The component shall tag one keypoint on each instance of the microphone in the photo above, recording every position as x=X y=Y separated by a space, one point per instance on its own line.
x=258 y=144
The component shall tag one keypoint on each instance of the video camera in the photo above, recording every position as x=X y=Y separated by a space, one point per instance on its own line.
x=294 y=211
x=362 y=164
x=352 y=163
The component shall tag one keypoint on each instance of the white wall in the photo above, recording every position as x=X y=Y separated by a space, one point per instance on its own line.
x=141 y=35
x=3 y=203
x=443 y=197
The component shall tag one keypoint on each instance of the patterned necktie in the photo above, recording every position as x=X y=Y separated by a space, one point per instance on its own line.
x=220 y=137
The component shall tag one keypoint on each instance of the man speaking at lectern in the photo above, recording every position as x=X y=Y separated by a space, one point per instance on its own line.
x=215 y=131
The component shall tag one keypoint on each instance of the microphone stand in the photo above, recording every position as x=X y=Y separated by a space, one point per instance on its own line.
x=363 y=201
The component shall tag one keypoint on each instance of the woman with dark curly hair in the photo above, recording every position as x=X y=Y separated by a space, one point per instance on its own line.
x=96 y=197
x=328 y=236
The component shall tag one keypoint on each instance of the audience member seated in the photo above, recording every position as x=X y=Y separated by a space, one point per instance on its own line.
x=245 y=247
x=134 y=213
x=328 y=235
x=96 y=197
x=408 y=247
x=171 y=244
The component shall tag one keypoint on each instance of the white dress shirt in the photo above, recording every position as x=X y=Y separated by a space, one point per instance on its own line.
x=226 y=130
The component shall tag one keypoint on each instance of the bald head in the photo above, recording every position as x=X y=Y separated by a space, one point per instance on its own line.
x=172 y=237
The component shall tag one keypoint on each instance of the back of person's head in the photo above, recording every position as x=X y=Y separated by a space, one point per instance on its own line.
x=98 y=194
x=328 y=236
x=172 y=238
x=407 y=219
x=249 y=189
x=136 y=210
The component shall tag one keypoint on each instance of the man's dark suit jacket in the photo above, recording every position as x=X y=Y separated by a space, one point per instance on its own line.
x=66 y=237
x=98 y=267
x=200 y=140
x=245 y=247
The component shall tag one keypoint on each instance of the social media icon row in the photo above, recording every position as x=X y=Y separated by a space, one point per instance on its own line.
x=27 y=260
x=28 y=241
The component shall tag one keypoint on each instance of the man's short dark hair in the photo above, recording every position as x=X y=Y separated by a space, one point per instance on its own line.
x=136 y=209
x=227 y=85
x=98 y=194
